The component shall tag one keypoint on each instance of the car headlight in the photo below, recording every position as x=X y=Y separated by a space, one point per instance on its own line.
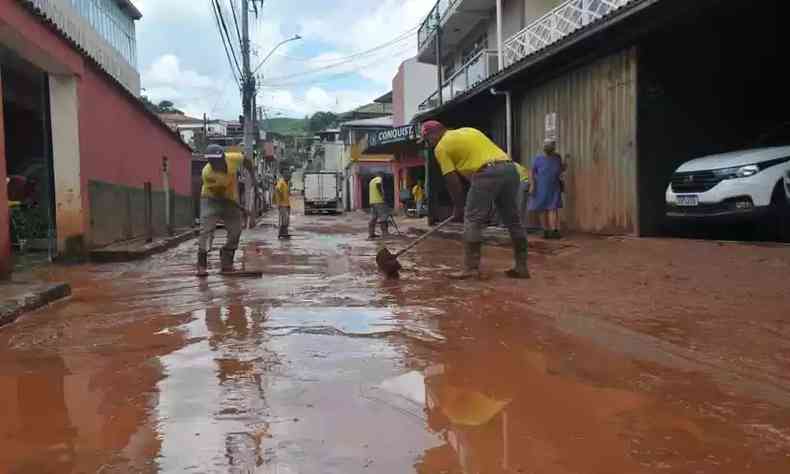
x=737 y=172
x=746 y=171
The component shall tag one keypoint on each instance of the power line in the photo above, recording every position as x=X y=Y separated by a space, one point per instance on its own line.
x=352 y=57
x=235 y=19
x=324 y=79
x=229 y=52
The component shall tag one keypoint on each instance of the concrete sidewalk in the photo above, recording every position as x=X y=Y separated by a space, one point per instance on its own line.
x=19 y=297
x=137 y=249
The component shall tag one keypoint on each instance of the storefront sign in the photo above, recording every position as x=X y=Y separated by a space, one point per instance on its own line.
x=407 y=133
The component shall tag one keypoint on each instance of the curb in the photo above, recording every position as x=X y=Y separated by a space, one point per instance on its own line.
x=113 y=256
x=32 y=300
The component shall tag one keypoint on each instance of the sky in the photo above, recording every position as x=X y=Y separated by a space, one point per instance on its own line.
x=332 y=68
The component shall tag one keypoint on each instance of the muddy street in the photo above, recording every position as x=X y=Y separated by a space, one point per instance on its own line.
x=323 y=366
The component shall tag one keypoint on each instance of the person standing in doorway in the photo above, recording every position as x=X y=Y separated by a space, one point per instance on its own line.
x=282 y=198
x=219 y=199
x=419 y=197
x=466 y=153
x=546 y=189
x=379 y=212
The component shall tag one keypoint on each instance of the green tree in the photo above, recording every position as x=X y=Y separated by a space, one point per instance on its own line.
x=322 y=120
x=199 y=142
x=168 y=107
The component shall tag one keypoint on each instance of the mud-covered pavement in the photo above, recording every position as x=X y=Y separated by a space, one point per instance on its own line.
x=607 y=361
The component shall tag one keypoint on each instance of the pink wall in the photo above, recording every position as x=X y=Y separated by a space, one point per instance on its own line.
x=122 y=144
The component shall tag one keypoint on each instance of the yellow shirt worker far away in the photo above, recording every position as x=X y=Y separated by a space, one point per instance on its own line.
x=282 y=196
x=223 y=185
x=375 y=192
x=417 y=192
x=466 y=150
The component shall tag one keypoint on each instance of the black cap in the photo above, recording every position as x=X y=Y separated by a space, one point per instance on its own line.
x=214 y=152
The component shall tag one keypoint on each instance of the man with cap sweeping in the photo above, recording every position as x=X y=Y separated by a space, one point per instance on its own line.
x=219 y=199
x=467 y=154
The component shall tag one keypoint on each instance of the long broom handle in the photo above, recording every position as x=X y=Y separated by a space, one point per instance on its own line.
x=423 y=237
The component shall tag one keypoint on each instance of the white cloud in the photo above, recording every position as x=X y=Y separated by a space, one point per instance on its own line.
x=314 y=99
x=182 y=59
x=190 y=91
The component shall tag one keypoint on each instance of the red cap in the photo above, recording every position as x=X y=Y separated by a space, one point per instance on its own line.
x=430 y=126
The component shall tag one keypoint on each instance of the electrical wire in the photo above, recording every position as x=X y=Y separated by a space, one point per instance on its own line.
x=229 y=52
x=353 y=57
x=324 y=79
x=236 y=21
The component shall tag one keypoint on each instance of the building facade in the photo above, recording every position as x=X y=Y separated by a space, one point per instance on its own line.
x=73 y=123
x=630 y=89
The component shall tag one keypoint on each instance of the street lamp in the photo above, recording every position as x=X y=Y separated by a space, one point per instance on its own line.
x=294 y=38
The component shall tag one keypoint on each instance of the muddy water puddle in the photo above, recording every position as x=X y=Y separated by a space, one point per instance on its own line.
x=330 y=369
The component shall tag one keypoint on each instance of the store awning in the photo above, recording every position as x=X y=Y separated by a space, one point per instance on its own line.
x=393 y=141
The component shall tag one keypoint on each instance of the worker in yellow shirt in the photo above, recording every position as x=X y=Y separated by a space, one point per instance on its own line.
x=379 y=211
x=419 y=197
x=467 y=154
x=219 y=199
x=522 y=197
x=282 y=198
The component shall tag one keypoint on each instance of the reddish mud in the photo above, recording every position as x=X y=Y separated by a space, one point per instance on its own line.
x=619 y=356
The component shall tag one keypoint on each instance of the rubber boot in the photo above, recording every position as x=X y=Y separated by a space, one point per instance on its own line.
x=202 y=263
x=472 y=253
x=385 y=228
x=372 y=231
x=520 y=269
x=226 y=260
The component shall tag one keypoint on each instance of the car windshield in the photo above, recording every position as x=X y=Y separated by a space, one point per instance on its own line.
x=779 y=136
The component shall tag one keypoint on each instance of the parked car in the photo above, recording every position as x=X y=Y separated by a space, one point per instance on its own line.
x=747 y=184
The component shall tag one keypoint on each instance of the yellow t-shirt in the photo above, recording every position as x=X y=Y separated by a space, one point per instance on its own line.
x=523 y=173
x=417 y=192
x=223 y=185
x=466 y=150
x=282 y=196
x=375 y=194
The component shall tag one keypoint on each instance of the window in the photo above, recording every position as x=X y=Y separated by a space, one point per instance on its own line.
x=111 y=23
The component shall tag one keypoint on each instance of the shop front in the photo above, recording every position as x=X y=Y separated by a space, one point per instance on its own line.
x=408 y=167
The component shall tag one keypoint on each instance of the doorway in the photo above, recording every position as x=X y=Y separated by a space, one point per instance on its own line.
x=29 y=165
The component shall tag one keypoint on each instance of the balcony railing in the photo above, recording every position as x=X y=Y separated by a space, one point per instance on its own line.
x=434 y=18
x=557 y=24
x=476 y=70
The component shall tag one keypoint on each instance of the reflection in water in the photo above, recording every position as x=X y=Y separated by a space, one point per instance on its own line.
x=35 y=420
x=506 y=410
x=222 y=373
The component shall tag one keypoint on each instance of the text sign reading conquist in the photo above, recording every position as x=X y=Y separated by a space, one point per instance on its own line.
x=406 y=133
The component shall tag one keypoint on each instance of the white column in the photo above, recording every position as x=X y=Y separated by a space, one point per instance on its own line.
x=70 y=216
x=500 y=50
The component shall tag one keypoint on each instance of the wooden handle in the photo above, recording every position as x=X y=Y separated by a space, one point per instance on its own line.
x=423 y=237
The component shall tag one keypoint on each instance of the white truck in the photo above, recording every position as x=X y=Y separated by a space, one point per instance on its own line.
x=322 y=192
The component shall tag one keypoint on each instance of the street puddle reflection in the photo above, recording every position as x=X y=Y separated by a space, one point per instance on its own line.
x=212 y=410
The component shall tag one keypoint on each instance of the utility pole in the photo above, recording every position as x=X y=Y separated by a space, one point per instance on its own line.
x=248 y=92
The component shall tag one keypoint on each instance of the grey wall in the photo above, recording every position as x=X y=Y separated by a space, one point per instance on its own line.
x=118 y=212
x=596 y=119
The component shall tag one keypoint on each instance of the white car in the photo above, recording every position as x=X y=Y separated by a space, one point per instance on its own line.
x=742 y=185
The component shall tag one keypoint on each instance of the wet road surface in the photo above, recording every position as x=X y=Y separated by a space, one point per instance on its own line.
x=322 y=366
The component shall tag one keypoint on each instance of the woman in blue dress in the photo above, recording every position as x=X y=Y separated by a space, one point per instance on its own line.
x=546 y=189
